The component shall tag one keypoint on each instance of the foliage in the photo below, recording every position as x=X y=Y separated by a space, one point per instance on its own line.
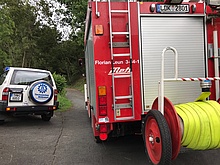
x=79 y=84
x=64 y=103
x=29 y=38
x=78 y=9
x=6 y=32
x=60 y=82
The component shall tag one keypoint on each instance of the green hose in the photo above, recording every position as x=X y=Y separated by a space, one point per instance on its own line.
x=201 y=122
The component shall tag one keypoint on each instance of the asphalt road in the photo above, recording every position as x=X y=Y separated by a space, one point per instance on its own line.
x=68 y=140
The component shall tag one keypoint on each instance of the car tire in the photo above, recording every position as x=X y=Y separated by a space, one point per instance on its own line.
x=2 y=121
x=44 y=117
x=47 y=116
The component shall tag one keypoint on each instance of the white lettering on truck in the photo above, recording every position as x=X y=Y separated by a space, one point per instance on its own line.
x=119 y=70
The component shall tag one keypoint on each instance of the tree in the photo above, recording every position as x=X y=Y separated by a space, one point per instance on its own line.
x=47 y=39
x=6 y=31
x=29 y=37
x=78 y=10
x=22 y=45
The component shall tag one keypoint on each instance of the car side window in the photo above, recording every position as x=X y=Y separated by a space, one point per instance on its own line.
x=2 y=78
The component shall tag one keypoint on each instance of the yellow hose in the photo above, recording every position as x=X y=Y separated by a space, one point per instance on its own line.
x=197 y=126
x=201 y=121
x=190 y=127
x=185 y=124
x=215 y=107
x=214 y=123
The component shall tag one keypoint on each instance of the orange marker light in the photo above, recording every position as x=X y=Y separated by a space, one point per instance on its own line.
x=99 y=30
x=102 y=90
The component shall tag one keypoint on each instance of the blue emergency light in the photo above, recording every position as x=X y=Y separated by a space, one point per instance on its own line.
x=7 y=68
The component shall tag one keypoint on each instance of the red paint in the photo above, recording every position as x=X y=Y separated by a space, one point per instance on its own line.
x=102 y=58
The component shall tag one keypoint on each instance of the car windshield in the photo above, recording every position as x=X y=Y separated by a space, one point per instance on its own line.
x=25 y=77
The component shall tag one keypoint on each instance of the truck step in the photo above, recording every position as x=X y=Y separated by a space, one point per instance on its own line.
x=124 y=118
x=119 y=11
x=122 y=76
x=121 y=106
x=122 y=55
x=119 y=33
x=120 y=44
x=123 y=97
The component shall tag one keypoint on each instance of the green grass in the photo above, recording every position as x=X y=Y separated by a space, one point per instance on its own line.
x=64 y=103
x=79 y=84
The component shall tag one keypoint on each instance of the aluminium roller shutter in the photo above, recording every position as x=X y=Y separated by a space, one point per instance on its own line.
x=186 y=34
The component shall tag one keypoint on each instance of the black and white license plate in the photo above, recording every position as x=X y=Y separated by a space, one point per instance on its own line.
x=165 y=8
x=15 y=97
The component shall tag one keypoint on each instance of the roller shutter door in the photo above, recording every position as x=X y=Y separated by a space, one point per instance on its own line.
x=186 y=34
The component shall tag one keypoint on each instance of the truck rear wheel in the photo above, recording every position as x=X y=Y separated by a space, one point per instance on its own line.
x=97 y=139
x=157 y=138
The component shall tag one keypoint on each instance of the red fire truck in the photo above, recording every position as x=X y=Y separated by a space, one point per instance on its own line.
x=147 y=61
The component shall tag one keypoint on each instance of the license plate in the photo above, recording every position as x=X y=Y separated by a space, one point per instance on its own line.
x=15 y=97
x=165 y=8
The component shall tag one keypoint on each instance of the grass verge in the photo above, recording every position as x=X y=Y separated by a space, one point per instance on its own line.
x=79 y=84
x=64 y=102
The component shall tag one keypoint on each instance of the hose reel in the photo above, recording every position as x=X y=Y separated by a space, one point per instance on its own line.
x=195 y=124
x=201 y=121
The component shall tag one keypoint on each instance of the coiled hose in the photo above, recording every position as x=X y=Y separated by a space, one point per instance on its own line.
x=201 y=122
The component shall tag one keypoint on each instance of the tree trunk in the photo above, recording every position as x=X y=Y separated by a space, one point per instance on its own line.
x=23 y=60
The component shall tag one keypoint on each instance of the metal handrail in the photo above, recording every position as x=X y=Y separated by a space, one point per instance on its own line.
x=161 y=82
x=96 y=9
x=161 y=86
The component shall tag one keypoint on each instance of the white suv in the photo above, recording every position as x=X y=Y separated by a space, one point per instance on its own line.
x=26 y=91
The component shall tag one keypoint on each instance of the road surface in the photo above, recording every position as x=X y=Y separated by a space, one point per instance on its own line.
x=68 y=140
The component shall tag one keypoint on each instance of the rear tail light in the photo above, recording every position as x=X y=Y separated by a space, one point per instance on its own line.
x=102 y=110
x=103 y=128
x=11 y=109
x=102 y=100
x=52 y=108
x=5 y=93
x=55 y=94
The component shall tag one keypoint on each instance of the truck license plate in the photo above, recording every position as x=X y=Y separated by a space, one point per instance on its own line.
x=15 y=96
x=165 y=8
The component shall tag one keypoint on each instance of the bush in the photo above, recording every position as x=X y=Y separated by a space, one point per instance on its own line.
x=64 y=103
x=60 y=82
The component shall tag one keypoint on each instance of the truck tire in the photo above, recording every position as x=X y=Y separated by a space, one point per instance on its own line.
x=157 y=138
x=97 y=139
